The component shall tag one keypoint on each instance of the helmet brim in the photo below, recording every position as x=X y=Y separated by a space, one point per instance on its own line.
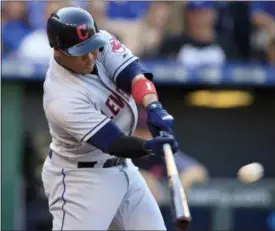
x=97 y=41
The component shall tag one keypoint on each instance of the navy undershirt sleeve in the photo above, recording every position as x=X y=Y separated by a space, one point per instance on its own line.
x=111 y=140
x=105 y=136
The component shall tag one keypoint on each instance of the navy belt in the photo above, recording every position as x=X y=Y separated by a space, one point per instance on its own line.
x=108 y=163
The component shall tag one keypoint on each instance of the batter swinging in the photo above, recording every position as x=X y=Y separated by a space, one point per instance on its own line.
x=91 y=90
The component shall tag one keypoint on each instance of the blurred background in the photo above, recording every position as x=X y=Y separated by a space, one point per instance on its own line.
x=214 y=66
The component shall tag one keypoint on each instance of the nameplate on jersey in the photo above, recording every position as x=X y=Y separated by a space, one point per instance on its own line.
x=114 y=104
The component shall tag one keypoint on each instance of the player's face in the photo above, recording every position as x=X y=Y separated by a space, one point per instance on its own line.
x=81 y=64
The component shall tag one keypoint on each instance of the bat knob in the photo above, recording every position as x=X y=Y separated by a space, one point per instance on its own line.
x=182 y=224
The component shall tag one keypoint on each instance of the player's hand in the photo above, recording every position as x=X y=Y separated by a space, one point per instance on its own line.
x=156 y=144
x=159 y=119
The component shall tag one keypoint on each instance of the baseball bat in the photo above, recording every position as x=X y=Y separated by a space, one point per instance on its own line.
x=180 y=208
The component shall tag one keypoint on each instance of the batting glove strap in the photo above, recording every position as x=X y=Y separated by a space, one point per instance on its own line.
x=153 y=106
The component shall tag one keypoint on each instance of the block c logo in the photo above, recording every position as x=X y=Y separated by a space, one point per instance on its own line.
x=82 y=32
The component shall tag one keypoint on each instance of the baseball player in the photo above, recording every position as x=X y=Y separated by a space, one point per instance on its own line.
x=91 y=90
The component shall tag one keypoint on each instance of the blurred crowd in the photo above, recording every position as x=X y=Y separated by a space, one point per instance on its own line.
x=192 y=32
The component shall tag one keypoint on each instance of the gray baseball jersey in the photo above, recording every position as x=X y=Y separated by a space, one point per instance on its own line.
x=77 y=106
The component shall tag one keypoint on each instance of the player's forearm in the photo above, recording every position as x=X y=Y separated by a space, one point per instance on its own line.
x=128 y=147
x=143 y=91
x=110 y=139
x=145 y=95
x=147 y=99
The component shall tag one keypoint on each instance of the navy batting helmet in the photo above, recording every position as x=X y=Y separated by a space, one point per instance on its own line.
x=73 y=31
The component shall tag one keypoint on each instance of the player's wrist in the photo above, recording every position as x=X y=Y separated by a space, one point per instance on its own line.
x=146 y=147
x=153 y=106
x=155 y=146
x=149 y=99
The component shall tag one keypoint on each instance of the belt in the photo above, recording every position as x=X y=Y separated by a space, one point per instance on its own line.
x=117 y=161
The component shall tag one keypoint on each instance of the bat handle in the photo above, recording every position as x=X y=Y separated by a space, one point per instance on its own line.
x=169 y=158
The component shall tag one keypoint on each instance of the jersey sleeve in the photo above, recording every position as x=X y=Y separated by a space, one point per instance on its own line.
x=116 y=56
x=78 y=118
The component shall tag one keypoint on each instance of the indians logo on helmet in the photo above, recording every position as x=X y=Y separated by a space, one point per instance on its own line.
x=80 y=29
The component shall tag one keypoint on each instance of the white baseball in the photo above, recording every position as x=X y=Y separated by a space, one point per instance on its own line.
x=251 y=173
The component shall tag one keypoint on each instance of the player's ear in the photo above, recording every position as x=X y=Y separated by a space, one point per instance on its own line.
x=57 y=52
x=58 y=55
